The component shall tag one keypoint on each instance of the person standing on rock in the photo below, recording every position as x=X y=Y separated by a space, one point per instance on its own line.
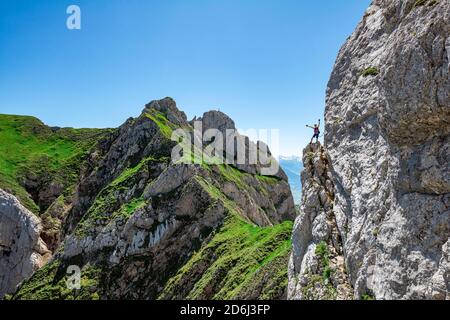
x=316 y=128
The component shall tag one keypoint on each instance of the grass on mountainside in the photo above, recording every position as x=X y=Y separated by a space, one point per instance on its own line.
x=248 y=259
x=50 y=283
x=110 y=205
x=164 y=125
x=241 y=252
x=323 y=254
x=370 y=71
x=420 y=3
x=242 y=259
x=237 y=176
x=239 y=256
x=27 y=146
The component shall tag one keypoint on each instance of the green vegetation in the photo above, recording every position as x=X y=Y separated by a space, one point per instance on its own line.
x=310 y=155
x=240 y=260
x=323 y=254
x=238 y=177
x=238 y=257
x=322 y=281
x=165 y=126
x=197 y=156
x=228 y=172
x=267 y=179
x=368 y=296
x=316 y=280
x=375 y=231
x=50 y=283
x=127 y=209
x=420 y=3
x=29 y=148
x=108 y=205
x=371 y=71
x=237 y=260
x=232 y=174
x=52 y=219
x=337 y=120
x=216 y=194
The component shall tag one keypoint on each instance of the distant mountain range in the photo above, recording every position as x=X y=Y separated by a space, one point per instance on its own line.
x=293 y=165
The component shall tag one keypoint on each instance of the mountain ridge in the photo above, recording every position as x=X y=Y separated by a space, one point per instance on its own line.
x=132 y=202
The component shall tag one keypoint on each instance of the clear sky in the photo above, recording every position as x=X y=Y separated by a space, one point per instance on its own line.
x=265 y=63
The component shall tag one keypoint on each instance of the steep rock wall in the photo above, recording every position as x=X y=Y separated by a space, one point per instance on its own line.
x=387 y=136
x=22 y=251
x=317 y=268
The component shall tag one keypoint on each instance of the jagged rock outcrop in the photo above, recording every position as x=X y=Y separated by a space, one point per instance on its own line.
x=244 y=152
x=143 y=226
x=387 y=136
x=22 y=251
x=317 y=267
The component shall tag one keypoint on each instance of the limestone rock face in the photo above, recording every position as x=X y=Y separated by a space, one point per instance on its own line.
x=217 y=120
x=22 y=251
x=317 y=268
x=246 y=155
x=387 y=136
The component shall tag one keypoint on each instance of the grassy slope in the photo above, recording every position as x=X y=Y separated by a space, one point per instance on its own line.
x=27 y=145
x=250 y=262
x=241 y=260
x=107 y=206
x=50 y=283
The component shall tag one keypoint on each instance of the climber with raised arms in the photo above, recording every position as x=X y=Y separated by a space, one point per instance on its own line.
x=316 y=128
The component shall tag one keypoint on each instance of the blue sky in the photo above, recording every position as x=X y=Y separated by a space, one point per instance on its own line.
x=264 y=63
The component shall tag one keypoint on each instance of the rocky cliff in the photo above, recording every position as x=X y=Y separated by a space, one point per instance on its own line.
x=22 y=250
x=141 y=226
x=317 y=267
x=387 y=144
x=39 y=167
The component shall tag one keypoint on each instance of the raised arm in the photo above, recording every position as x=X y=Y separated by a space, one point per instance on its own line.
x=310 y=127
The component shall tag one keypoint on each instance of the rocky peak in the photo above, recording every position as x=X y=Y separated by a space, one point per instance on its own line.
x=217 y=120
x=253 y=157
x=168 y=107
